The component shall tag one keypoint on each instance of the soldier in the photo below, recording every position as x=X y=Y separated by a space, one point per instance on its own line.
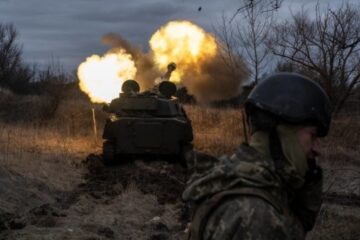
x=270 y=188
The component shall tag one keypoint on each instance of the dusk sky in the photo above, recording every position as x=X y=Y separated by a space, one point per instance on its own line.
x=68 y=31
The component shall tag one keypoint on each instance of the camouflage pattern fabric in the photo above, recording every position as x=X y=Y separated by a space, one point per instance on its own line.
x=240 y=216
x=251 y=218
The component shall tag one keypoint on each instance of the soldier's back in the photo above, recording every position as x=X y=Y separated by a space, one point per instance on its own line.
x=245 y=217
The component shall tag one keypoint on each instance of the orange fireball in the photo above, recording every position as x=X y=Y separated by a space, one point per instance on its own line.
x=184 y=43
x=101 y=77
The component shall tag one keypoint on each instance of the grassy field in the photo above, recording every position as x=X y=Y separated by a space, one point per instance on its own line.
x=41 y=161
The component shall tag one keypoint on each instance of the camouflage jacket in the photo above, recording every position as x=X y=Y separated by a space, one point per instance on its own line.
x=243 y=197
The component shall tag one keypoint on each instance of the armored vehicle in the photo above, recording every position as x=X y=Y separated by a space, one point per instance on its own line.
x=150 y=123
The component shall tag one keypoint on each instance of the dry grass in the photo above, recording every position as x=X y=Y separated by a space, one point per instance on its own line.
x=341 y=156
x=23 y=108
x=41 y=154
x=45 y=150
x=69 y=136
x=49 y=151
x=216 y=131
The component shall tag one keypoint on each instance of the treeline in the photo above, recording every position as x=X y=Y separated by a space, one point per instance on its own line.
x=22 y=78
x=28 y=93
x=324 y=46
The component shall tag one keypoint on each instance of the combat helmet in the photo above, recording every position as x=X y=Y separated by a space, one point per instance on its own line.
x=291 y=98
x=287 y=98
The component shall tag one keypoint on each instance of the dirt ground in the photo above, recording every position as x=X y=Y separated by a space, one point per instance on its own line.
x=134 y=200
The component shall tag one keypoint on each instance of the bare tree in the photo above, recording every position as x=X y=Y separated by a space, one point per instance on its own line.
x=229 y=50
x=267 y=6
x=328 y=47
x=9 y=52
x=13 y=73
x=247 y=34
x=252 y=32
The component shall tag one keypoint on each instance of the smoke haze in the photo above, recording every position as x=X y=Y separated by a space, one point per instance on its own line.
x=146 y=69
x=215 y=79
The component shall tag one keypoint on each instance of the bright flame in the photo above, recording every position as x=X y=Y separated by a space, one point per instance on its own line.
x=184 y=43
x=101 y=77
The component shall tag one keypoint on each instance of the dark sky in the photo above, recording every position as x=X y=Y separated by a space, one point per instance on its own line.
x=68 y=31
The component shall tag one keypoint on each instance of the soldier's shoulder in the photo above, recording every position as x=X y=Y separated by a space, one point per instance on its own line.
x=202 y=161
x=239 y=217
x=242 y=205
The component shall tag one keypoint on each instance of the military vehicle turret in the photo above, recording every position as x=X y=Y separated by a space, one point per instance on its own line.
x=150 y=123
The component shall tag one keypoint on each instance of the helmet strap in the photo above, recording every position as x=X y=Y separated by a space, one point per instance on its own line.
x=276 y=151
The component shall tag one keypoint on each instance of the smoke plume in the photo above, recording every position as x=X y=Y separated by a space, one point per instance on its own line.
x=208 y=73
x=146 y=69
x=218 y=80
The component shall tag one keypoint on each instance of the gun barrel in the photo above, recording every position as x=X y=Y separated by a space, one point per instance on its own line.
x=170 y=68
